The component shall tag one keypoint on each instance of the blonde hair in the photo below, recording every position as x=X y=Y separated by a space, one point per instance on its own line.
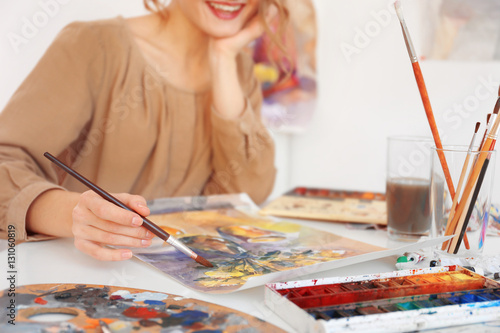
x=277 y=37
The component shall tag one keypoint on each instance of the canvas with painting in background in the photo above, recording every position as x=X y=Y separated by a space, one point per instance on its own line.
x=461 y=30
x=288 y=81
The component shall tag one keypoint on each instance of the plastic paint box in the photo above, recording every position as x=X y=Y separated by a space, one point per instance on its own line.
x=397 y=301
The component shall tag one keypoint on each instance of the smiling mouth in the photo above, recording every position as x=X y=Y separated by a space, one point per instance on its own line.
x=225 y=10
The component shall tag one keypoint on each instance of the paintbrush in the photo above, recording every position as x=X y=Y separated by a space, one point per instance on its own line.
x=459 y=186
x=464 y=221
x=104 y=327
x=488 y=125
x=425 y=97
x=490 y=119
x=146 y=223
x=475 y=179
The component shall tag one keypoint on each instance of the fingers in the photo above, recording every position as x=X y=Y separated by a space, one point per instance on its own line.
x=136 y=202
x=97 y=222
x=101 y=253
x=271 y=13
x=251 y=31
x=108 y=211
x=115 y=228
x=255 y=28
x=89 y=232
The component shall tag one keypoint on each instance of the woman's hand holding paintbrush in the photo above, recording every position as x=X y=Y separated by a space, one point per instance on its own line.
x=97 y=222
x=112 y=222
x=92 y=221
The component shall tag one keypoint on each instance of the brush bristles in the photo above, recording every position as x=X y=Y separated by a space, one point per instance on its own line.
x=203 y=261
x=399 y=12
x=497 y=106
x=478 y=124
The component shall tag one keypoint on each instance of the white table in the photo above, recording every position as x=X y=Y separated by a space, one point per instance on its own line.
x=58 y=261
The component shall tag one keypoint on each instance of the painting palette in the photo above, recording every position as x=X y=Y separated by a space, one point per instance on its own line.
x=98 y=308
x=330 y=205
x=390 y=302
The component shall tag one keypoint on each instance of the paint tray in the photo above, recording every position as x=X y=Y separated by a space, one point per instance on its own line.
x=397 y=301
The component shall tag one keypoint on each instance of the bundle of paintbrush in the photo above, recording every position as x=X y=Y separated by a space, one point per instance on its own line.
x=461 y=209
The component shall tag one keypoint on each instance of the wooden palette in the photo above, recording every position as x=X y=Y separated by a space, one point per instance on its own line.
x=97 y=308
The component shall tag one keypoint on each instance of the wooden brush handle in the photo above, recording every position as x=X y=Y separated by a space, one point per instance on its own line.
x=432 y=122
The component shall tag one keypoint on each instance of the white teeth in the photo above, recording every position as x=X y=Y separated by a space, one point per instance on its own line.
x=225 y=7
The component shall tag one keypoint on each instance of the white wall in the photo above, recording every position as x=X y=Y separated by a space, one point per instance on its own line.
x=362 y=98
x=27 y=28
x=373 y=94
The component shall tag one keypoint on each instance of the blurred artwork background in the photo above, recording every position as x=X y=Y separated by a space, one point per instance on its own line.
x=463 y=30
x=289 y=100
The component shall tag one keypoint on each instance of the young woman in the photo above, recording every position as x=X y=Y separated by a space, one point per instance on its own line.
x=154 y=106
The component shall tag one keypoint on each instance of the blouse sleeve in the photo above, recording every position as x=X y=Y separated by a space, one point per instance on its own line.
x=242 y=148
x=46 y=113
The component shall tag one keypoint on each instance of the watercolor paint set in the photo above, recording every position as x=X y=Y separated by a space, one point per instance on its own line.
x=397 y=301
x=330 y=205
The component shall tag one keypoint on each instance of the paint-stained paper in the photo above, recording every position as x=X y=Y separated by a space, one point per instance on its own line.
x=247 y=250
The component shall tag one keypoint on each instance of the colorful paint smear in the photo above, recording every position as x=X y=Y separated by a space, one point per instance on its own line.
x=322 y=193
x=241 y=247
x=426 y=301
x=342 y=293
x=123 y=310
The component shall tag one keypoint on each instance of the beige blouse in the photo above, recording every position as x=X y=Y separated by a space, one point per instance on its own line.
x=95 y=102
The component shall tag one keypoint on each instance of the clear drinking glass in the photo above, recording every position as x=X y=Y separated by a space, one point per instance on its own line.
x=408 y=187
x=471 y=213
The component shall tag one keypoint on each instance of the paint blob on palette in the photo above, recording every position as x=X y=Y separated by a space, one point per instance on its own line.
x=121 y=310
x=392 y=302
x=330 y=205
x=242 y=248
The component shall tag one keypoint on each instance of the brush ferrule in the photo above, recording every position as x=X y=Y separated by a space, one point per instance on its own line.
x=181 y=247
x=493 y=134
x=492 y=121
x=471 y=145
x=408 y=42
